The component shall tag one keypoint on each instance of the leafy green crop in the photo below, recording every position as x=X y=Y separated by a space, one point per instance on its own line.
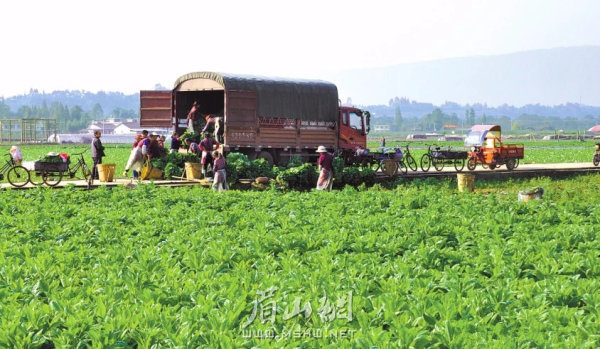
x=180 y=267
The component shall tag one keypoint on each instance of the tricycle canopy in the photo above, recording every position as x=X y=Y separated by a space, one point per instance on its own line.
x=479 y=133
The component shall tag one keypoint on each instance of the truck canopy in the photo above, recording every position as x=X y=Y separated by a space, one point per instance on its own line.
x=310 y=100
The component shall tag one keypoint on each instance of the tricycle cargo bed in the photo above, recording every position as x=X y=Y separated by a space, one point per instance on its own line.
x=515 y=151
x=50 y=166
x=449 y=154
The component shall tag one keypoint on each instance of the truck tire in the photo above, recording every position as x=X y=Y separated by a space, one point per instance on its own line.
x=267 y=156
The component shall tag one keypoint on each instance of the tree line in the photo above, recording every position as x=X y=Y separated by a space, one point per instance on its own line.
x=435 y=120
x=69 y=119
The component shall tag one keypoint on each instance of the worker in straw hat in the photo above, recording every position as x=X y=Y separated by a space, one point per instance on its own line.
x=325 y=163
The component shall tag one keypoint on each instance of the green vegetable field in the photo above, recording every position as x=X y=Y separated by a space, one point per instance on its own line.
x=417 y=266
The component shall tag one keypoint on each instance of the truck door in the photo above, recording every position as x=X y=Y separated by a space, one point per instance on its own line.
x=156 y=108
x=352 y=129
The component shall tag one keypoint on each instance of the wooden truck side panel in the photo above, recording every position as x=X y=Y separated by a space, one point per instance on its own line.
x=244 y=128
x=156 y=108
x=240 y=118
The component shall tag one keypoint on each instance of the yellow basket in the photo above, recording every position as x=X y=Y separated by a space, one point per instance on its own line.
x=193 y=170
x=465 y=182
x=106 y=172
x=150 y=172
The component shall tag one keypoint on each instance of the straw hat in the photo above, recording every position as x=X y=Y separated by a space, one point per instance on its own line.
x=321 y=149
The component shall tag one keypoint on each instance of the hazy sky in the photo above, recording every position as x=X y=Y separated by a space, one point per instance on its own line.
x=131 y=45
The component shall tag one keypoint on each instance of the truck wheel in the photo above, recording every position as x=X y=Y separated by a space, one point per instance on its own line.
x=510 y=164
x=471 y=163
x=267 y=156
x=596 y=160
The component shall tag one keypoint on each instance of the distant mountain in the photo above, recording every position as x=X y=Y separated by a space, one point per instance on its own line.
x=548 y=77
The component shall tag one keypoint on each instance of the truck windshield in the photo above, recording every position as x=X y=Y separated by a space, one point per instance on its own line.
x=356 y=121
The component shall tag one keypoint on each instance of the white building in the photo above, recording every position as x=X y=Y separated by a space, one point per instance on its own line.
x=123 y=127
x=381 y=128
x=127 y=127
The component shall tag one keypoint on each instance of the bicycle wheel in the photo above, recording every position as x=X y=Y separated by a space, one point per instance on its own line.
x=459 y=164
x=425 y=162
x=411 y=163
x=438 y=164
x=402 y=167
x=376 y=165
x=471 y=163
x=85 y=170
x=52 y=178
x=18 y=176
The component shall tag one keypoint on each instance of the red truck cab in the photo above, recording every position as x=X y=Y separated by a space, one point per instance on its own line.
x=353 y=128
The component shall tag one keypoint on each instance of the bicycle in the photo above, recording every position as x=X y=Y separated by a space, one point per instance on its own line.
x=410 y=160
x=81 y=164
x=52 y=174
x=17 y=175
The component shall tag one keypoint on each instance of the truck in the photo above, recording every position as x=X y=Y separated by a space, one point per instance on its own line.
x=269 y=118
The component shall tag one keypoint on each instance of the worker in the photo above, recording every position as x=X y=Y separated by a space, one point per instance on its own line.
x=193 y=116
x=382 y=142
x=161 y=141
x=219 y=165
x=325 y=163
x=152 y=149
x=137 y=139
x=135 y=162
x=175 y=143
x=219 y=129
x=97 y=153
x=210 y=124
x=207 y=146
x=192 y=147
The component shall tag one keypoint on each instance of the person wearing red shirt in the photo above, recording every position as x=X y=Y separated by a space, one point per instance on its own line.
x=325 y=163
x=220 y=180
x=208 y=145
x=193 y=116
